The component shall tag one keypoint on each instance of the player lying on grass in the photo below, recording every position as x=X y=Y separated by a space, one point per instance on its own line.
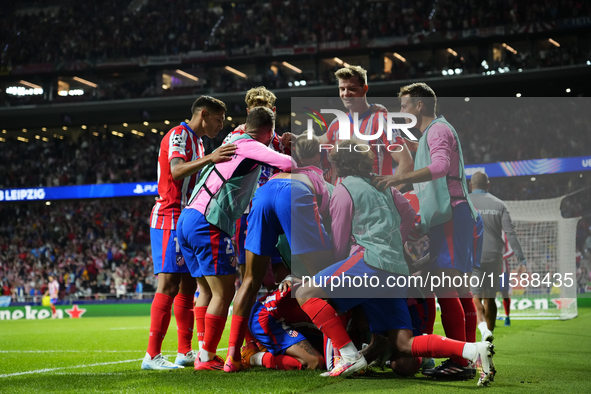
x=207 y=224
x=379 y=351
x=379 y=222
x=300 y=197
x=271 y=322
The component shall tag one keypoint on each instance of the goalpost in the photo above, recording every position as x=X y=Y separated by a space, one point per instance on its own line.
x=549 y=243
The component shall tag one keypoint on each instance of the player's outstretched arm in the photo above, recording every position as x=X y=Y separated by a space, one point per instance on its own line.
x=180 y=169
x=381 y=182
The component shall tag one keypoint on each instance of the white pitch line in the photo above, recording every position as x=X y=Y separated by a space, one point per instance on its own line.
x=75 y=366
x=60 y=368
x=89 y=373
x=84 y=351
x=72 y=351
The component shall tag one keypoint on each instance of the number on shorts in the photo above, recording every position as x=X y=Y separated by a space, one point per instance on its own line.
x=229 y=249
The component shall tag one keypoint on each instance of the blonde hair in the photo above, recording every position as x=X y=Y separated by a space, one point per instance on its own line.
x=260 y=97
x=352 y=71
x=348 y=161
x=305 y=148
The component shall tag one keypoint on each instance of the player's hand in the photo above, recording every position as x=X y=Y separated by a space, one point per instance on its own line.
x=285 y=284
x=381 y=182
x=522 y=269
x=378 y=108
x=286 y=140
x=223 y=153
x=412 y=146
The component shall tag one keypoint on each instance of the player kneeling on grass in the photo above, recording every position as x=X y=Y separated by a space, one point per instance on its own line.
x=206 y=225
x=285 y=197
x=379 y=222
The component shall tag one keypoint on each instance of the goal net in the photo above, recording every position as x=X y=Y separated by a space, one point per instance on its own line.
x=548 y=242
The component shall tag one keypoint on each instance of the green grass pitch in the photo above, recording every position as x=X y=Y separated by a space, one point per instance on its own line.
x=103 y=355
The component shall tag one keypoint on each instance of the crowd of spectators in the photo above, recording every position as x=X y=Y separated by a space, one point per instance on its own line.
x=88 y=160
x=95 y=248
x=497 y=129
x=111 y=30
x=74 y=36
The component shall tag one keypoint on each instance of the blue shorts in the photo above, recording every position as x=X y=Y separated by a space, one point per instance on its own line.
x=385 y=307
x=275 y=335
x=478 y=239
x=241 y=231
x=53 y=300
x=354 y=278
x=207 y=250
x=166 y=254
x=274 y=206
x=419 y=314
x=452 y=243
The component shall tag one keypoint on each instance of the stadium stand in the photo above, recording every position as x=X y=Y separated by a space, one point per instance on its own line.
x=114 y=47
x=52 y=45
x=98 y=248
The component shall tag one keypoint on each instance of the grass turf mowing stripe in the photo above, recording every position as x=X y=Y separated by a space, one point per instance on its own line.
x=532 y=356
x=45 y=370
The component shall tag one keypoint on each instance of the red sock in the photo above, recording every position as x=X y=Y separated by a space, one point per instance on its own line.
x=507 y=306
x=436 y=346
x=214 y=328
x=284 y=363
x=199 y=312
x=453 y=320
x=470 y=316
x=183 y=313
x=159 y=321
x=431 y=314
x=327 y=320
x=238 y=329
x=53 y=310
x=248 y=337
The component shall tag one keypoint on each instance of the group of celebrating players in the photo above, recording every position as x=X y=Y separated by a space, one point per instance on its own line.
x=295 y=219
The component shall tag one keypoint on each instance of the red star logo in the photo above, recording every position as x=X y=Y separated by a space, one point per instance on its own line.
x=563 y=303
x=75 y=312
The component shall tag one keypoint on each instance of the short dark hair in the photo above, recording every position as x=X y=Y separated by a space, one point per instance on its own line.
x=259 y=118
x=210 y=103
x=420 y=91
x=348 y=161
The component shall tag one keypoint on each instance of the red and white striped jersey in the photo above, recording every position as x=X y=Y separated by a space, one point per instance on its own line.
x=54 y=289
x=181 y=142
x=368 y=125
